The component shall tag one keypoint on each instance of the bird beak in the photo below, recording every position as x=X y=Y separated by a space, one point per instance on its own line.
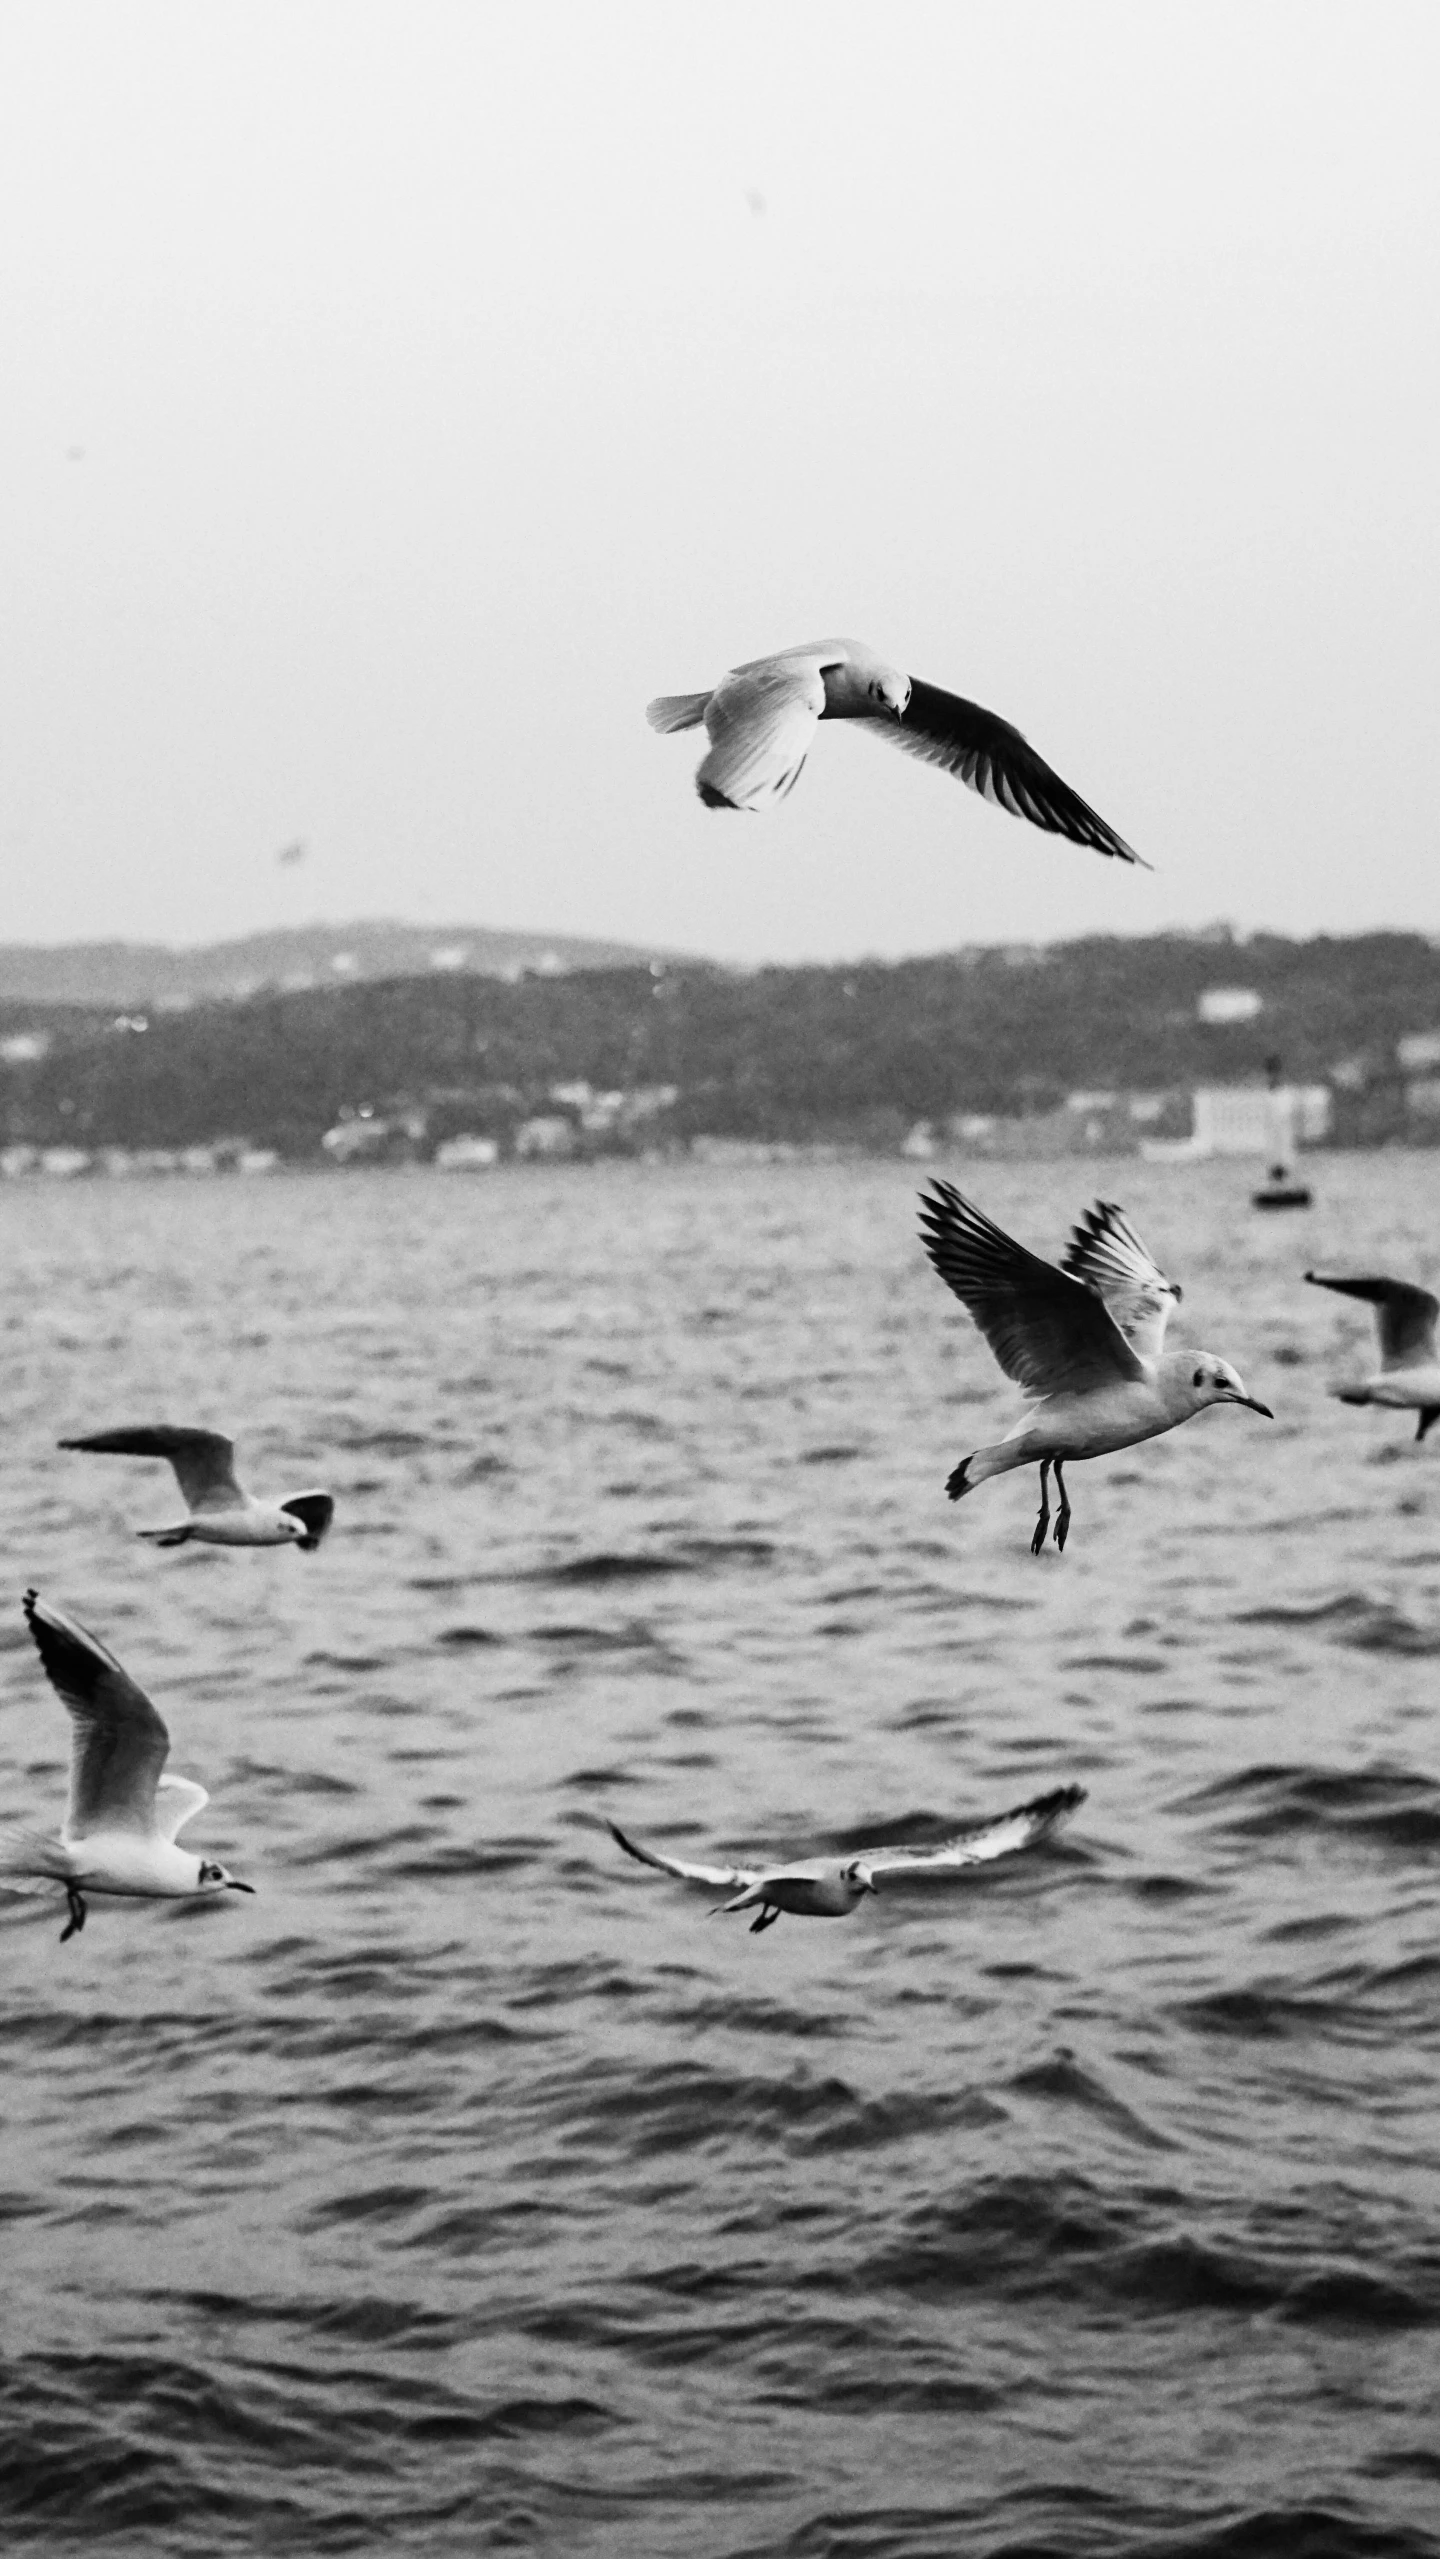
x=1254 y=1405
x=870 y=1884
x=234 y=1885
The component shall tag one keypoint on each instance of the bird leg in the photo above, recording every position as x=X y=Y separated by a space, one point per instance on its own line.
x=1062 y=1524
x=768 y=1916
x=1043 y=1522
x=76 y=1920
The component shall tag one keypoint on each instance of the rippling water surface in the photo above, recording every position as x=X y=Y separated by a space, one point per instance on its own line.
x=471 y=2189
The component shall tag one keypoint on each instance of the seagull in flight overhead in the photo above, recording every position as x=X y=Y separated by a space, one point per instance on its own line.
x=1086 y=1343
x=761 y=721
x=221 y=1512
x=123 y=1816
x=831 y=1887
x=1409 y=1373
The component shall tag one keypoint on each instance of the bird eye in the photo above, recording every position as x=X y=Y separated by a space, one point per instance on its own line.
x=212 y=1874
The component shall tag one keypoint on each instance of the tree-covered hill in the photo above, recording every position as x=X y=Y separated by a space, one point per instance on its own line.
x=797 y=1052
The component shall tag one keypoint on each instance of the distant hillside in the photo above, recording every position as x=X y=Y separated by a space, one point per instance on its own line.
x=293 y=957
x=859 y=1052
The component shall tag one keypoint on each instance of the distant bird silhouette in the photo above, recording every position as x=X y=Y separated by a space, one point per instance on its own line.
x=761 y=722
x=831 y=1887
x=124 y=1815
x=221 y=1512
x=291 y=853
x=1084 y=1341
x=1408 y=1378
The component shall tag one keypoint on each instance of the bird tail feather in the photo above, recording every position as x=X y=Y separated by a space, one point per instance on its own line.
x=1351 y=1394
x=30 y=1857
x=175 y=1536
x=676 y=711
x=980 y=1465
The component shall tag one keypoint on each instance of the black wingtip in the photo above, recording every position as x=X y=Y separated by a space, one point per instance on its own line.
x=1047 y=1812
x=618 y=1835
x=315 y=1511
x=712 y=798
x=1060 y=1801
x=942 y=1208
x=958 y=1484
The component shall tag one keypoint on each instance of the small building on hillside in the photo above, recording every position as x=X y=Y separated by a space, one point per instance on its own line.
x=545 y=1139
x=1221 y=1004
x=466 y=1154
x=1259 y=1119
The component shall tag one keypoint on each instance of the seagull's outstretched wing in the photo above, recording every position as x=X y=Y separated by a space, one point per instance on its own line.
x=1106 y=1255
x=177 y=1801
x=1019 y=1829
x=999 y=763
x=315 y=1511
x=761 y=722
x=1049 y=1333
x=204 y=1461
x=726 y=1876
x=118 y=1743
x=1404 y=1316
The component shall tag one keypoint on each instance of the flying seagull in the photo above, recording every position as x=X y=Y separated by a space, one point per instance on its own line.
x=761 y=722
x=831 y=1887
x=123 y=1816
x=1409 y=1371
x=221 y=1512
x=1085 y=1342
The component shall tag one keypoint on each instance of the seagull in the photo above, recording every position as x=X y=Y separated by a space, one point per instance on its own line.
x=1409 y=1371
x=1086 y=1343
x=123 y=1817
x=221 y=1513
x=831 y=1887
x=761 y=722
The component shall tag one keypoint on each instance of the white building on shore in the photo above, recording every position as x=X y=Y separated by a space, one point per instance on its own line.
x=1270 y=1121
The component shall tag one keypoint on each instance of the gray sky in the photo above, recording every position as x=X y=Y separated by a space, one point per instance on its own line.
x=399 y=395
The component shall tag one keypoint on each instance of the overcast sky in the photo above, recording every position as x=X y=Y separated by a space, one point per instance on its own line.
x=399 y=395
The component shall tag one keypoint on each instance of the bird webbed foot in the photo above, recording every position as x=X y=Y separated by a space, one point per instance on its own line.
x=1043 y=1522
x=1062 y=1524
x=768 y=1916
x=76 y=1920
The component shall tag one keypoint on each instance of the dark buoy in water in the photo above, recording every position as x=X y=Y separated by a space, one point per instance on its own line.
x=1281 y=1190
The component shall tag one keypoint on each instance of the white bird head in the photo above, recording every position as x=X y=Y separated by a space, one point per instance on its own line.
x=891 y=690
x=306 y=1517
x=1214 y=1381
x=211 y=1878
x=858 y=1876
